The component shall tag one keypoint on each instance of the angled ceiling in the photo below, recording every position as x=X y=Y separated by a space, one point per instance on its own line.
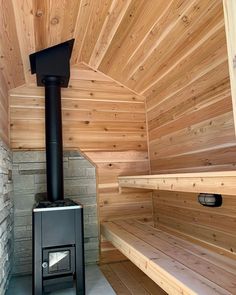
x=132 y=41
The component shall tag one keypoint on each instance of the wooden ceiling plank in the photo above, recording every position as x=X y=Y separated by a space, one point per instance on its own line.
x=54 y=21
x=62 y=18
x=162 y=28
x=57 y=14
x=193 y=27
x=72 y=10
x=24 y=16
x=113 y=19
x=10 y=56
x=132 y=35
x=230 y=26
x=41 y=23
x=123 y=30
x=80 y=30
x=100 y=9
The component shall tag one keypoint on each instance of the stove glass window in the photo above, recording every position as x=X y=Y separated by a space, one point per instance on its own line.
x=59 y=261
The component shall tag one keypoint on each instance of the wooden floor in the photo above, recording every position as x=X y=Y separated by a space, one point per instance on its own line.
x=125 y=278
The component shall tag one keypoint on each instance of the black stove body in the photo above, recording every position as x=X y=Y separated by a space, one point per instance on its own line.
x=58 y=258
x=58 y=253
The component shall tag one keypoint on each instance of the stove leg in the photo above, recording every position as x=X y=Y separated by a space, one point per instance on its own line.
x=37 y=255
x=79 y=254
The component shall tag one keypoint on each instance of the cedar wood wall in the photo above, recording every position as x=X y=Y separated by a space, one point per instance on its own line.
x=189 y=111
x=191 y=129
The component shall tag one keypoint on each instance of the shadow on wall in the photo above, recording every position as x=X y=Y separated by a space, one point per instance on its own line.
x=29 y=180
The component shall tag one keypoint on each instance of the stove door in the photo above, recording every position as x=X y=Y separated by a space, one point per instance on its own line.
x=58 y=261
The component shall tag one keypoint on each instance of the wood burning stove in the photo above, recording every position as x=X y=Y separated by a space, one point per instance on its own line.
x=58 y=246
x=58 y=252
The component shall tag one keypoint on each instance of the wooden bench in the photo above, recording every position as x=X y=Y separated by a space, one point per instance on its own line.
x=204 y=182
x=176 y=265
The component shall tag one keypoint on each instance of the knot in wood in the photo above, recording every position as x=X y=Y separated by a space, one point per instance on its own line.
x=39 y=13
x=54 y=21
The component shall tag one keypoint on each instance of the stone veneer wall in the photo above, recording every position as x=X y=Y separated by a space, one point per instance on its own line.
x=6 y=216
x=29 y=179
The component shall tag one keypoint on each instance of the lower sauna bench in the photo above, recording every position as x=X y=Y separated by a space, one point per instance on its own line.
x=176 y=265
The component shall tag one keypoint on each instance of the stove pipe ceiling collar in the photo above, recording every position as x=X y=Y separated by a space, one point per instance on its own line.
x=52 y=62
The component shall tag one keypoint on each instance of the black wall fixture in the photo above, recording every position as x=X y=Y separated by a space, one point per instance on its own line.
x=210 y=200
x=52 y=68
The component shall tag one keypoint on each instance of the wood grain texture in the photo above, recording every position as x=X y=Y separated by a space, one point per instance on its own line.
x=230 y=26
x=11 y=65
x=54 y=21
x=207 y=182
x=172 y=52
x=4 y=110
x=181 y=213
x=24 y=18
x=111 y=24
x=126 y=278
x=106 y=122
x=177 y=265
x=189 y=104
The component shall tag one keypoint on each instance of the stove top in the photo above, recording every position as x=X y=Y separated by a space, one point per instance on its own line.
x=57 y=205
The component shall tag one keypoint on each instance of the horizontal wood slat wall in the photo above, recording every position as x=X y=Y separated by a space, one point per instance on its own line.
x=107 y=123
x=181 y=214
x=191 y=127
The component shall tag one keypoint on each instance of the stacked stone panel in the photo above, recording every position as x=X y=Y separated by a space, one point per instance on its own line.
x=6 y=216
x=29 y=178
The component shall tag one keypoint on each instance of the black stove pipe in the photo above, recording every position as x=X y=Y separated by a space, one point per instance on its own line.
x=54 y=143
x=52 y=68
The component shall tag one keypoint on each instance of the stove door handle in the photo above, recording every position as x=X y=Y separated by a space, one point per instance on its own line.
x=45 y=264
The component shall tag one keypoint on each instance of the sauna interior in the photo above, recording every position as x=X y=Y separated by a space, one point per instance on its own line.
x=148 y=125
